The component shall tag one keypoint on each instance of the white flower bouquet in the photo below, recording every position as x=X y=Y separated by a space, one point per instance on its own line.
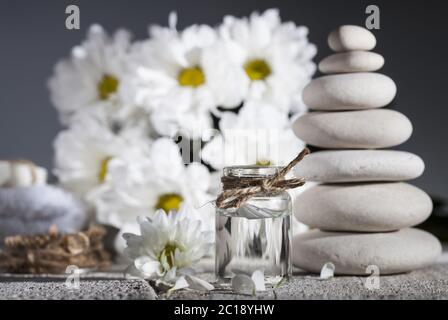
x=132 y=109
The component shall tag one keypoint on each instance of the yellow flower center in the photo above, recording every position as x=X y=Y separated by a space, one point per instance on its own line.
x=169 y=201
x=263 y=163
x=168 y=253
x=103 y=169
x=191 y=77
x=257 y=69
x=107 y=86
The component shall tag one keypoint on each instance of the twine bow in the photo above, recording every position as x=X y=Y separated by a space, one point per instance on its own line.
x=237 y=190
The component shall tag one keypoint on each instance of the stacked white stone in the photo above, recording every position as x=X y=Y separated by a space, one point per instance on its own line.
x=362 y=212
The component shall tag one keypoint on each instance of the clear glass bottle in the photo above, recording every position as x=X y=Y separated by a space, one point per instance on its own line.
x=256 y=236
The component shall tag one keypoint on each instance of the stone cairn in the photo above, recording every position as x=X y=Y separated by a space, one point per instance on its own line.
x=362 y=211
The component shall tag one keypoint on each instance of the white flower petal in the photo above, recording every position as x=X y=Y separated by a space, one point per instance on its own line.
x=181 y=283
x=327 y=271
x=198 y=172
x=258 y=279
x=172 y=20
x=132 y=272
x=171 y=274
x=196 y=283
x=147 y=266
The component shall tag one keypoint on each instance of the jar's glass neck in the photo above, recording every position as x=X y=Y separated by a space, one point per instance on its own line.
x=251 y=171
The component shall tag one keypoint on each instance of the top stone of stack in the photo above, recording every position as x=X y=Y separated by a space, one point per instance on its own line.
x=351 y=38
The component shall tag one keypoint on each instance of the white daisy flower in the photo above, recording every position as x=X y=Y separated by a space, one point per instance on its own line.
x=277 y=57
x=164 y=183
x=169 y=245
x=258 y=135
x=181 y=76
x=92 y=76
x=87 y=152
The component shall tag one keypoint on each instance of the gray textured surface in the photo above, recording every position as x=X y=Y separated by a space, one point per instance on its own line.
x=429 y=283
x=109 y=286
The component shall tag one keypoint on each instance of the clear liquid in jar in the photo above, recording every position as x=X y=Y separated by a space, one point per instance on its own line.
x=257 y=236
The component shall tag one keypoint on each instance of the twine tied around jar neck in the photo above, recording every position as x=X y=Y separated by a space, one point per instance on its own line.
x=237 y=190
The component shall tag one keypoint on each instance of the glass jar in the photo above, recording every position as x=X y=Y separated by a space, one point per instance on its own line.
x=257 y=235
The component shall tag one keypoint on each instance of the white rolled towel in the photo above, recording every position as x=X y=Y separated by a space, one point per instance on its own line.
x=21 y=173
x=33 y=210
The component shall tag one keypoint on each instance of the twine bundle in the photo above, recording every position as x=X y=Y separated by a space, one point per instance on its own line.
x=237 y=190
x=53 y=252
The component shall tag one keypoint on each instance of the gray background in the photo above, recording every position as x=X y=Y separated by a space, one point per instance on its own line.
x=412 y=39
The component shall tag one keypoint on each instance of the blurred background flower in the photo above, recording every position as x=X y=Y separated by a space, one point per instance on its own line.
x=132 y=110
x=92 y=76
x=276 y=57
